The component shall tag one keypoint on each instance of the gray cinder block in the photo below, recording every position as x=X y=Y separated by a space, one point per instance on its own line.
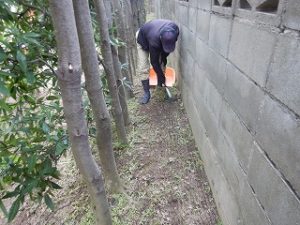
x=203 y=24
x=200 y=82
x=273 y=19
x=193 y=3
x=192 y=44
x=204 y=4
x=251 y=49
x=187 y=69
x=244 y=96
x=224 y=197
x=229 y=163
x=171 y=7
x=194 y=119
x=278 y=133
x=251 y=211
x=183 y=40
x=188 y=40
x=236 y=134
x=202 y=50
x=219 y=34
x=284 y=77
x=192 y=19
x=214 y=64
x=279 y=202
x=183 y=13
x=177 y=12
x=292 y=14
x=210 y=124
x=214 y=100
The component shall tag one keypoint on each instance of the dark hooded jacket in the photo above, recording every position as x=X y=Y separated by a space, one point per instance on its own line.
x=149 y=39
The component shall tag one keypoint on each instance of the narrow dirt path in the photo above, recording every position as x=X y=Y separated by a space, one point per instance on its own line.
x=162 y=173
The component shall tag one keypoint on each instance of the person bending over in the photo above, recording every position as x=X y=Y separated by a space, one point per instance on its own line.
x=156 y=39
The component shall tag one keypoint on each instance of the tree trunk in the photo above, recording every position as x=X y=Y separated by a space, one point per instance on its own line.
x=117 y=65
x=69 y=81
x=138 y=13
x=95 y=94
x=149 y=6
x=109 y=70
x=122 y=50
x=130 y=33
x=121 y=89
x=108 y=7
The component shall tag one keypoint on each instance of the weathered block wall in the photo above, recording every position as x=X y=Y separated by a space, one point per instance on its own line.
x=239 y=71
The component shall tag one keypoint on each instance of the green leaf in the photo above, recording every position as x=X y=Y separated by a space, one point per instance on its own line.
x=13 y=92
x=4 y=106
x=2 y=207
x=6 y=74
x=49 y=202
x=33 y=41
x=14 y=210
x=40 y=100
x=10 y=194
x=116 y=42
x=29 y=99
x=56 y=175
x=45 y=127
x=30 y=77
x=52 y=97
x=32 y=162
x=32 y=35
x=4 y=90
x=39 y=138
x=3 y=56
x=29 y=186
x=48 y=169
x=22 y=60
x=54 y=185
x=60 y=147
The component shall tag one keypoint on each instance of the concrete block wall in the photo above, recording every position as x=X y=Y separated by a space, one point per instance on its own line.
x=238 y=67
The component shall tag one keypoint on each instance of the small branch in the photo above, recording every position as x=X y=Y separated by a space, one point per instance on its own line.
x=47 y=64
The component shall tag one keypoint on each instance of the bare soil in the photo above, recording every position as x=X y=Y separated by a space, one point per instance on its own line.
x=163 y=176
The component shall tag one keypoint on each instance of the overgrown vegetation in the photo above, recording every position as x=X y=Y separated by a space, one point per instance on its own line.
x=32 y=133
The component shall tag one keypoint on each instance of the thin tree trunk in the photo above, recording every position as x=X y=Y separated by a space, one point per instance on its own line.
x=109 y=70
x=108 y=7
x=131 y=55
x=117 y=67
x=122 y=50
x=69 y=81
x=130 y=33
x=121 y=89
x=138 y=13
x=95 y=94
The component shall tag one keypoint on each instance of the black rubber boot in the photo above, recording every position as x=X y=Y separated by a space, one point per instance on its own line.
x=146 y=86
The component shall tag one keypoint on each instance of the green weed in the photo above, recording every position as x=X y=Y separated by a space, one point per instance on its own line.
x=88 y=218
x=219 y=222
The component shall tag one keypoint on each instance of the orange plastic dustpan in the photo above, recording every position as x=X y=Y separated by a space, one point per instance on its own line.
x=169 y=74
